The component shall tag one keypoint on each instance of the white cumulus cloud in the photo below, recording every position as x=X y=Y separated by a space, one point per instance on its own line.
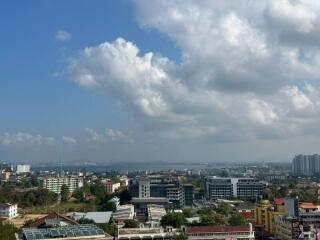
x=62 y=36
x=248 y=70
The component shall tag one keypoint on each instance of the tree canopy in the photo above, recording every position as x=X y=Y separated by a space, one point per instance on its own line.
x=173 y=219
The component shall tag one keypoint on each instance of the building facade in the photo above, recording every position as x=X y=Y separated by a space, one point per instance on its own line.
x=23 y=168
x=8 y=210
x=177 y=193
x=228 y=188
x=306 y=165
x=54 y=183
x=144 y=188
x=220 y=232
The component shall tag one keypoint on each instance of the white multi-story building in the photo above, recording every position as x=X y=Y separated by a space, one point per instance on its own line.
x=8 y=210
x=124 y=212
x=23 y=168
x=144 y=188
x=111 y=187
x=227 y=188
x=54 y=183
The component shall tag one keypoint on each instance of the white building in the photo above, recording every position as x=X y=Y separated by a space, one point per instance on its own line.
x=111 y=186
x=144 y=188
x=155 y=214
x=228 y=188
x=115 y=200
x=124 y=212
x=8 y=210
x=23 y=168
x=54 y=183
x=145 y=233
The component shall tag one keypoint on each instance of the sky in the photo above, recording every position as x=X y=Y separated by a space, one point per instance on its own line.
x=159 y=81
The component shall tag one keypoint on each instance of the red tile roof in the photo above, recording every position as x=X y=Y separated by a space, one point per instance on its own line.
x=307 y=205
x=278 y=201
x=247 y=215
x=41 y=221
x=216 y=229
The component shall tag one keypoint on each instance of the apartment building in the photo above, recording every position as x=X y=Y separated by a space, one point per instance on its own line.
x=228 y=188
x=306 y=165
x=8 y=210
x=111 y=186
x=54 y=183
x=23 y=168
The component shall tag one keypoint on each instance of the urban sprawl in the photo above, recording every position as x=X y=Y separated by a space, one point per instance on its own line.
x=243 y=201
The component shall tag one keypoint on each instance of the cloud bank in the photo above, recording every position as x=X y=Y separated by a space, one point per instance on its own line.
x=247 y=71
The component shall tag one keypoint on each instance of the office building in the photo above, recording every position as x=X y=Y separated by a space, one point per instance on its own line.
x=23 y=168
x=163 y=187
x=306 y=165
x=54 y=183
x=228 y=188
x=8 y=211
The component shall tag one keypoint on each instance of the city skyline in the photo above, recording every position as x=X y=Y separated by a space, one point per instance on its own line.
x=161 y=81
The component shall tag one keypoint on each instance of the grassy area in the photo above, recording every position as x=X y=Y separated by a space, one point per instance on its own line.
x=62 y=208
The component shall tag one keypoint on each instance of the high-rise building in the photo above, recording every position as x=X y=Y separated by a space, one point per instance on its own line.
x=23 y=168
x=227 y=188
x=54 y=183
x=306 y=165
x=144 y=188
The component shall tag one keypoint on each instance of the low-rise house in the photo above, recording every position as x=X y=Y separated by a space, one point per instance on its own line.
x=84 y=231
x=220 y=232
x=97 y=217
x=123 y=212
x=155 y=213
x=145 y=233
x=52 y=220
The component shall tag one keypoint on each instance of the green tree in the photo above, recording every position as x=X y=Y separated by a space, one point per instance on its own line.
x=111 y=229
x=64 y=193
x=130 y=223
x=7 y=231
x=173 y=219
x=187 y=213
x=223 y=208
x=213 y=219
x=125 y=196
x=180 y=236
x=237 y=220
x=108 y=206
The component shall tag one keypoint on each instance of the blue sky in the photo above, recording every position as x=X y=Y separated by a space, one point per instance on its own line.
x=210 y=76
x=31 y=96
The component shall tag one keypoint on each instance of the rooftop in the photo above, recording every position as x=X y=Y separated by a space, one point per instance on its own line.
x=306 y=205
x=150 y=200
x=218 y=229
x=79 y=231
x=278 y=201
